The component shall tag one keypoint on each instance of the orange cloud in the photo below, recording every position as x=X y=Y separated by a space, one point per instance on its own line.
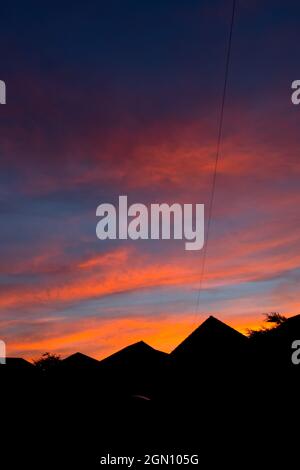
x=118 y=274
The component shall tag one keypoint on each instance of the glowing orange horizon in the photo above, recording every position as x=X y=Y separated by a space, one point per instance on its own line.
x=103 y=337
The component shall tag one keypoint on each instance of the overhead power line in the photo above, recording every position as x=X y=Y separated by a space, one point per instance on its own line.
x=217 y=155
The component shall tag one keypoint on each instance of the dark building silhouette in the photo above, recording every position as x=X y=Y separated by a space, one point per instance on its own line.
x=219 y=394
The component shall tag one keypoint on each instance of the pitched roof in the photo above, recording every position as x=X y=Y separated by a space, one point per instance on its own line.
x=211 y=337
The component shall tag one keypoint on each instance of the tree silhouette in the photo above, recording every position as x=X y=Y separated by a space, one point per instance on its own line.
x=275 y=318
x=47 y=362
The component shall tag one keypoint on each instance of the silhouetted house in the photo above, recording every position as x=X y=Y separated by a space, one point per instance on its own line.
x=212 y=342
x=136 y=369
x=17 y=363
x=212 y=358
x=80 y=371
x=79 y=361
x=17 y=371
x=137 y=354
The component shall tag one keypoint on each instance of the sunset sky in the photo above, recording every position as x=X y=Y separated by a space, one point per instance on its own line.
x=123 y=97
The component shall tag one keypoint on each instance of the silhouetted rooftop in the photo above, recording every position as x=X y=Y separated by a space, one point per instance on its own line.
x=80 y=360
x=211 y=334
x=18 y=363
